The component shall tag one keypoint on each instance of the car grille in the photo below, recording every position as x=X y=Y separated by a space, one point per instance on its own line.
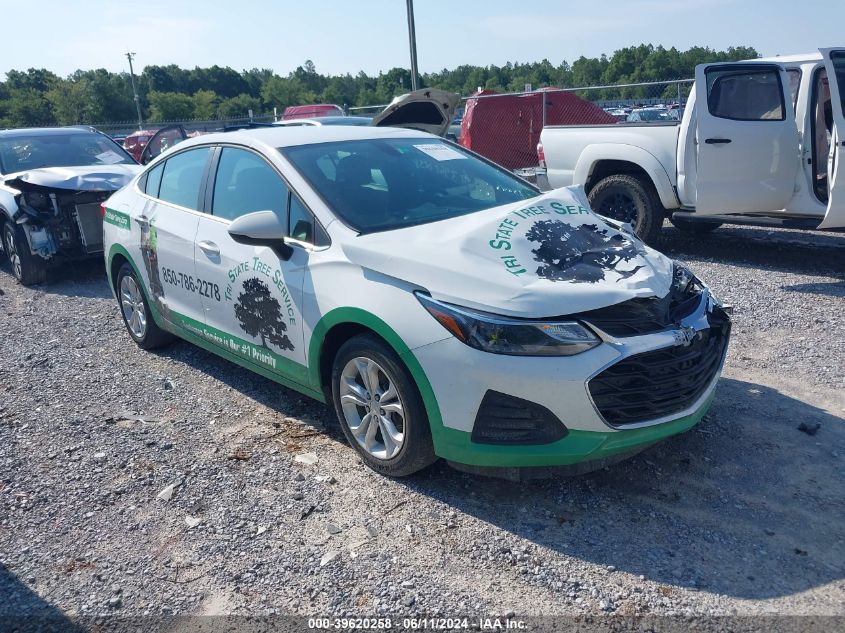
x=636 y=317
x=663 y=382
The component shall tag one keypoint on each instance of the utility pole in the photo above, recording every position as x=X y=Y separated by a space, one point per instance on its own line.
x=129 y=56
x=412 y=38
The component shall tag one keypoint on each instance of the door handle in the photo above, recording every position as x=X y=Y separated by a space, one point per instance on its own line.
x=209 y=248
x=717 y=141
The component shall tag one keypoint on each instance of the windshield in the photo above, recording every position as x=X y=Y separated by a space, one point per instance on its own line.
x=383 y=184
x=71 y=149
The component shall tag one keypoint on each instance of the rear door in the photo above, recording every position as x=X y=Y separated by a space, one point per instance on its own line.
x=746 y=139
x=168 y=218
x=834 y=61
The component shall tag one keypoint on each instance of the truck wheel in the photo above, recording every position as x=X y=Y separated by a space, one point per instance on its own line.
x=136 y=313
x=629 y=199
x=687 y=226
x=27 y=268
x=379 y=407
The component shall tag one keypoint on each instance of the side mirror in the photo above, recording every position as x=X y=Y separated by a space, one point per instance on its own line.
x=261 y=228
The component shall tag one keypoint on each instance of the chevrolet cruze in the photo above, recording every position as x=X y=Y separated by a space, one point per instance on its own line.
x=443 y=306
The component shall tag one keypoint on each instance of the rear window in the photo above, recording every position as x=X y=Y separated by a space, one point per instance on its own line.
x=745 y=94
x=837 y=58
x=389 y=183
x=182 y=177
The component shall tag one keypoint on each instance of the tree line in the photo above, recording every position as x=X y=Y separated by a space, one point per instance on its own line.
x=39 y=97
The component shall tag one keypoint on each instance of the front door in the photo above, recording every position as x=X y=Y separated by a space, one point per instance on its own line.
x=834 y=61
x=251 y=298
x=168 y=219
x=746 y=139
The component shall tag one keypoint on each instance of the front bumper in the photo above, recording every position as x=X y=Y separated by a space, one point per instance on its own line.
x=461 y=376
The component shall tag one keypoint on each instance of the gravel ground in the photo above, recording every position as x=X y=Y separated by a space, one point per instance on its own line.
x=743 y=515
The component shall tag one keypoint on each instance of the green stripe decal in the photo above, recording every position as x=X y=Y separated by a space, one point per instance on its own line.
x=449 y=443
x=287 y=372
x=120 y=220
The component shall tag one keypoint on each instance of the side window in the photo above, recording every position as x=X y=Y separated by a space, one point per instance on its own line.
x=837 y=58
x=246 y=183
x=182 y=177
x=153 y=179
x=750 y=94
x=794 y=85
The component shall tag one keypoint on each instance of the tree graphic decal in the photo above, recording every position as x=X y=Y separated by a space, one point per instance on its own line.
x=260 y=314
x=581 y=253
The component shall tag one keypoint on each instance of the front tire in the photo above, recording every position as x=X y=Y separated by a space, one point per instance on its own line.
x=136 y=313
x=629 y=199
x=27 y=268
x=379 y=407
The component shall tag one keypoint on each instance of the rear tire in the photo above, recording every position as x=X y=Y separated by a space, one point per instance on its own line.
x=27 y=268
x=379 y=407
x=688 y=226
x=135 y=311
x=629 y=199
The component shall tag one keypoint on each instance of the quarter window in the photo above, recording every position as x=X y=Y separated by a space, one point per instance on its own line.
x=153 y=180
x=245 y=183
x=182 y=178
x=745 y=94
x=303 y=227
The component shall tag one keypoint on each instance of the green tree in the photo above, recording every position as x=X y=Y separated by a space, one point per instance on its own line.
x=205 y=104
x=237 y=107
x=170 y=106
x=71 y=102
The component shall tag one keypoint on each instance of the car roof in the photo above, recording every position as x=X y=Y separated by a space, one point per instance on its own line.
x=45 y=131
x=326 y=120
x=289 y=136
x=801 y=58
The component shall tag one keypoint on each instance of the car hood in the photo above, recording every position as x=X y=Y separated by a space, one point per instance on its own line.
x=543 y=257
x=92 y=178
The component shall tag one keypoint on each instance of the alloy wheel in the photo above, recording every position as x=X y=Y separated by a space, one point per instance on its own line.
x=12 y=253
x=372 y=408
x=132 y=304
x=619 y=206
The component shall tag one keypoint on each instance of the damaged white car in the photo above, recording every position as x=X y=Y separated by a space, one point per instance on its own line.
x=445 y=307
x=53 y=182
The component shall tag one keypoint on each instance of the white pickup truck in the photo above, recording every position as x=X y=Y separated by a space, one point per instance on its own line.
x=766 y=147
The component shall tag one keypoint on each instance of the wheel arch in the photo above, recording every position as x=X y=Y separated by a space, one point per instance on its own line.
x=338 y=326
x=599 y=161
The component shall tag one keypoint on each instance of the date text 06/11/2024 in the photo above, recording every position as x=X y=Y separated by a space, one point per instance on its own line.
x=418 y=624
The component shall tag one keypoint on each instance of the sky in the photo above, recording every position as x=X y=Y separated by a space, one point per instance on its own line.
x=371 y=35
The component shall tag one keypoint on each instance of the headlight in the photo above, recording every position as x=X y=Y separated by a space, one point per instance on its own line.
x=683 y=280
x=514 y=337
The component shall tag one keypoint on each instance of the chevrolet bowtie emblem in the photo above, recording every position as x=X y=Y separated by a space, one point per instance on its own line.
x=684 y=336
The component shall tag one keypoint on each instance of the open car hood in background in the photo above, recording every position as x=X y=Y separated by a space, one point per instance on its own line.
x=428 y=109
x=544 y=257
x=92 y=178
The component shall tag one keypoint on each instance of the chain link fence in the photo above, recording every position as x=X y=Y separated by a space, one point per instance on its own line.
x=123 y=128
x=506 y=127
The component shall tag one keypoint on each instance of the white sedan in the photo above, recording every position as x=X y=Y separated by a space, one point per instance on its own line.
x=443 y=306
